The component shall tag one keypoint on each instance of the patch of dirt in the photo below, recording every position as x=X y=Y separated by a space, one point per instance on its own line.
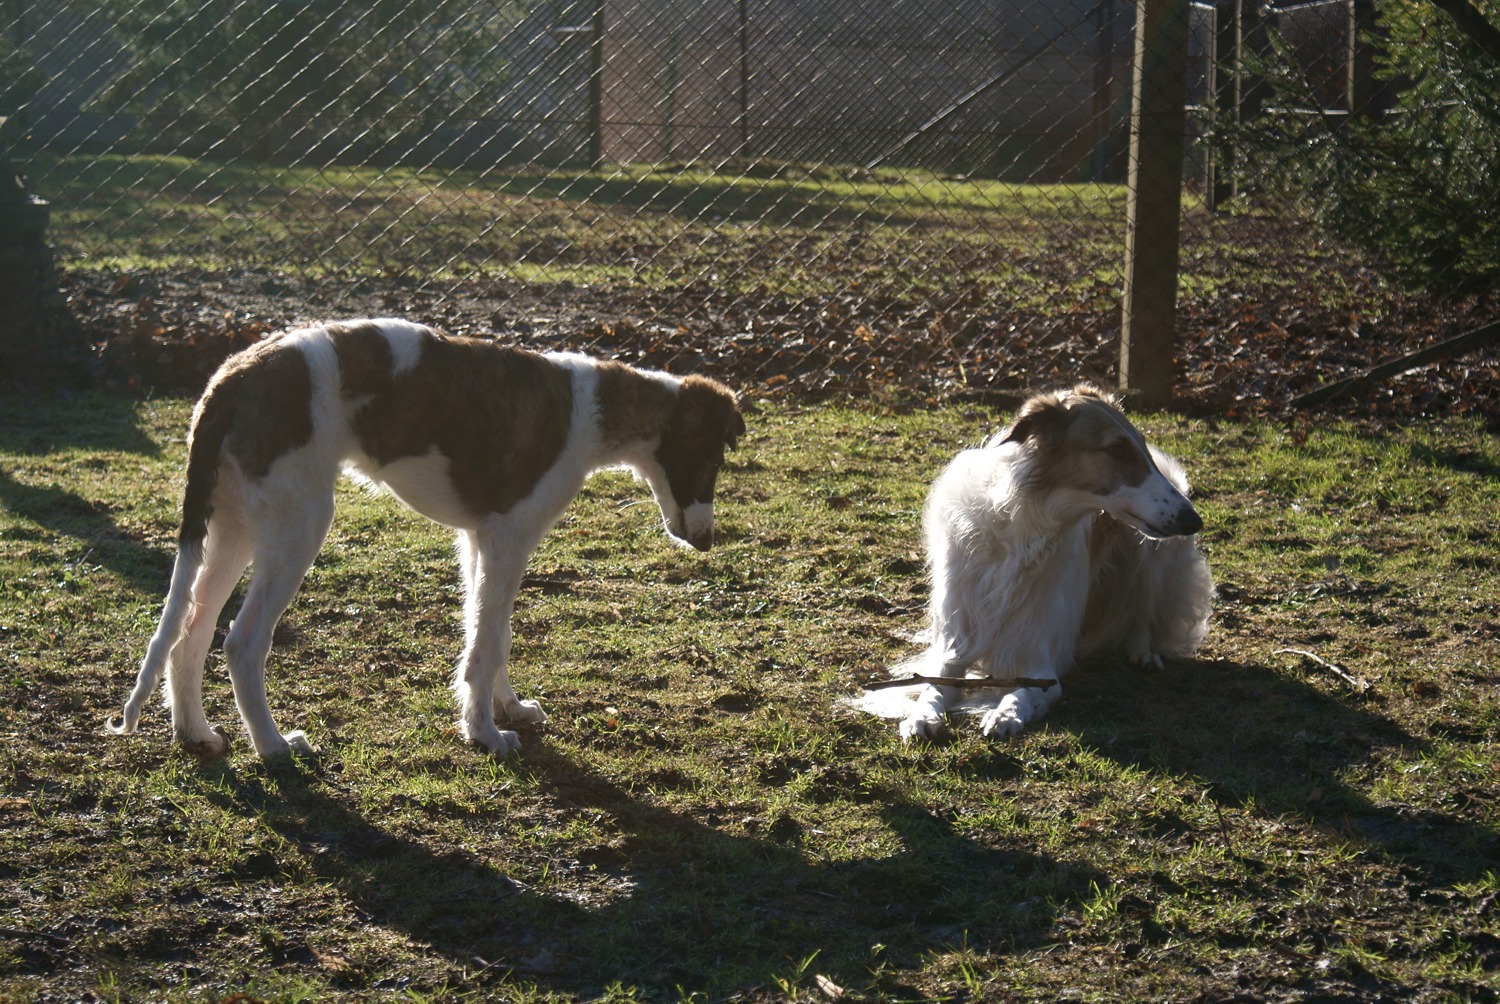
x=1236 y=356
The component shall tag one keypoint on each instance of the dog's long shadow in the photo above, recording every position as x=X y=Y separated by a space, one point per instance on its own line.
x=36 y=424
x=680 y=903
x=678 y=900
x=1251 y=735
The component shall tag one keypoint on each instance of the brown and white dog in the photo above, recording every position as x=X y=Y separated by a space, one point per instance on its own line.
x=1066 y=536
x=489 y=440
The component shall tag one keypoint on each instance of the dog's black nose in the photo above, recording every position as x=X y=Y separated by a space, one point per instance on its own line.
x=1189 y=522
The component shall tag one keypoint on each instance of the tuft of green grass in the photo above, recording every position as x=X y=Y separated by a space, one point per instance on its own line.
x=699 y=819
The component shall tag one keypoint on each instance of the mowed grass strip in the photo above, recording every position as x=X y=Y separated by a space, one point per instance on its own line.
x=699 y=820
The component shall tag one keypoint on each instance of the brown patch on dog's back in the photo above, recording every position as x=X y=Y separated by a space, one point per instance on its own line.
x=272 y=412
x=500 y=415
x=632 y=405
x=365 y=359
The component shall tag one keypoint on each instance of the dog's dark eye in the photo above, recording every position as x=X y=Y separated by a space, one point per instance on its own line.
x=1121 y=449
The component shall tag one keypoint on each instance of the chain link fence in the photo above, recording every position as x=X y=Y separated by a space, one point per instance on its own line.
x=925 y=196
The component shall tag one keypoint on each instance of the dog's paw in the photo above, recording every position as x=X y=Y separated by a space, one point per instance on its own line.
x=298 y=742
x=919 y=727
x=1000 y=722
x=497 y=742
x=285 y=745
x=1141 y=654
x=211 y=747
x=524 y=712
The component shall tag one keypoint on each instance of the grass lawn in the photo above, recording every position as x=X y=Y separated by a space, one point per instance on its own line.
x=770 y=229
x=699 y=820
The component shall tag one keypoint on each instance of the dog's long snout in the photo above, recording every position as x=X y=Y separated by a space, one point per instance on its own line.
x=1168 y=514
x=693 y=525
x=703 y=540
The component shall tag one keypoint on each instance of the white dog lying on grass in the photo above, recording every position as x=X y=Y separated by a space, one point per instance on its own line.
x=1065 y=536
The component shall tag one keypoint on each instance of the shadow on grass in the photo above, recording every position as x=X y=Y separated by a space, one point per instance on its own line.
x=674 y=902
x=1459 y=461
x=40 y=423
x=1250 y=734
x=44 y=420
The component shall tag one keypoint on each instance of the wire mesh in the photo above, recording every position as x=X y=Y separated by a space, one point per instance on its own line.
x=923 y=194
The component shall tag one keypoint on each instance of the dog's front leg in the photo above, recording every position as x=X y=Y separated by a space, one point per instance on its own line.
x=931 y=702
x=1018 y=709
x=493 y=562
x=929 y=708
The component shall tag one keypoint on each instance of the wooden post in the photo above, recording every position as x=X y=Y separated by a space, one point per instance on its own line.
x=1153 y=212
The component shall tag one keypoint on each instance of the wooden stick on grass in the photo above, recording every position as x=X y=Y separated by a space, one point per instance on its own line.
x=1358 y=683
x=965 y=682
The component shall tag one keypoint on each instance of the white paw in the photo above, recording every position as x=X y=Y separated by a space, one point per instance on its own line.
x=919 y=727
x=1140 y=654
x=505 y=743
x=284 y=744
x=209 y=746
x=523 y=711
x=498 y=742
x=1000 y=722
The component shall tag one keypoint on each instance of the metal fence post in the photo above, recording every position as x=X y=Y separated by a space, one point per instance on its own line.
x=1154 y=206
x=1223 y=74
x=1360 y=79
x=596 y=87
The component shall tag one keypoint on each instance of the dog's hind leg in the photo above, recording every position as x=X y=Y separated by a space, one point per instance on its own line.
x=226 y=552
x=493 y=560
x=289 y=532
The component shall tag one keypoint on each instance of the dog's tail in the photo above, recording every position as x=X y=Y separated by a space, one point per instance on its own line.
x=211 y=422
x=175 y=616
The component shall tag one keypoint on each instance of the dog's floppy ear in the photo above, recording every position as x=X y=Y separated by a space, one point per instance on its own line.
x=1040 y=421
x=711 y=409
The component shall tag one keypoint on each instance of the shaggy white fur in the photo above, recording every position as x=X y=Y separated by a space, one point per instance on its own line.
x=1066 y=536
